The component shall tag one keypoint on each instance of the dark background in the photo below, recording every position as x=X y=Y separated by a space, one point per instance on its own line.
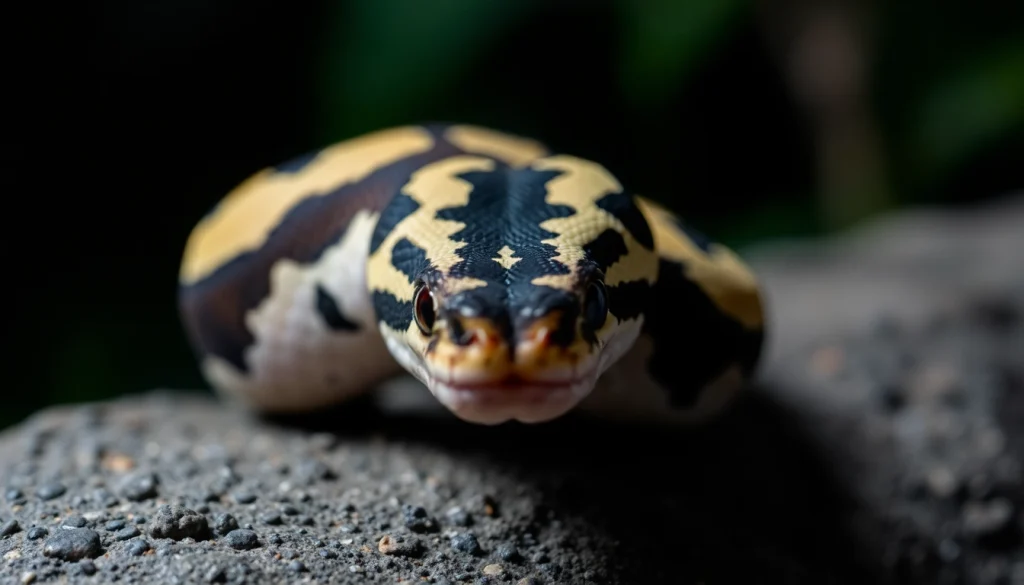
x=128 y=120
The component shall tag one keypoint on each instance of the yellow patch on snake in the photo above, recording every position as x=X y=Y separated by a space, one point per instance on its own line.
x=581 y=186
x=719 y=273
x=506 y=257
x=294 y=349
x=515 y=150
x=433 y=187
x=250 y=212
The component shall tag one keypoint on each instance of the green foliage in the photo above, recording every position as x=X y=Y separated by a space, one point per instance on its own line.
x=385 y=60
x=971 y=107
x=664 y=40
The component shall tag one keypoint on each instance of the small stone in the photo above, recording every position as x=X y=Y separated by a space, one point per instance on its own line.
x=73 y=544
x=528 y=581
x=399 y=546
x=290 y=510
x=241 y=539
x=36 y=532
x=178 y=522
x=493 y=569
x=271 y=518
x=127 y=533
x=13 y=495
x=140 y=486
x=459 y=517
x=296 y=567
x=312 y=470
x=114 y=525
x=87 y=567
x=275 y=539
x=467 y=543
x=224 y=523
x=327 y=553
x=28 y=577
x=10 y=527
x=51 y=490
x=245 y=497
x=417 y=520
x=507 y=552
x=137 y=548
x=74 y=521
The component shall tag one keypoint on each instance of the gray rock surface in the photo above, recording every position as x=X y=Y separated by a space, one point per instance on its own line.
x=883 y=444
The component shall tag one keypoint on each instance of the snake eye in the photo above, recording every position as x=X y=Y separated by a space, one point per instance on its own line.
x=423 y=309
x=595 y=305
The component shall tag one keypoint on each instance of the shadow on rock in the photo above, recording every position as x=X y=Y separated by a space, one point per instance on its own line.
x=745 y=497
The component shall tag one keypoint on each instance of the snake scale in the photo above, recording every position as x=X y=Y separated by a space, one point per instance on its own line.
x=513 y=281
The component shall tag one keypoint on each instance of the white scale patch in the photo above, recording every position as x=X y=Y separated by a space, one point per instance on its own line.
x=297 y=362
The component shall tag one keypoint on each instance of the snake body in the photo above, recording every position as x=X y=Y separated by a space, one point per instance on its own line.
x=515 y=282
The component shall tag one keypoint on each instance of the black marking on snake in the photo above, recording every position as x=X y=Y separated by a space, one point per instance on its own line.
x=409 y=259
x=394 y=313
x=298 y=163
x=628 y=300
x=328 y=308
x=513 y=201
x=214 y=308
x=401 y=207
x=624 y=208
x=695 y=342
x=606 y=249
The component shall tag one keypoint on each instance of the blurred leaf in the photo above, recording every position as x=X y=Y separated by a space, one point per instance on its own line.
x=968 y=109
x=664 y=39
x=386 y=58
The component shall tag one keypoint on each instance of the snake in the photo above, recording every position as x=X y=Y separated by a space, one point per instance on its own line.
x=512 y=281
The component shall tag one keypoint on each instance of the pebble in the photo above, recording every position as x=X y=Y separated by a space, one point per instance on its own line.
x=493 y=569
x=138 y=547
x=241 y=539
x=140 y=486
x=224 y=523
x=10 y=527
x=73 y=544
x=36 y=532
x=87 y=567
x=74 y=522
x=114 y=525
x=507 y=552
x=271 y=518
x=127 y=533
x=244 y=497
x=417 y=520
x=14 y=495
x=459 y=517
x=296 y=567
x=28 y=577
x=51 y=490
x=466 y=542
x=399 y=546
x=178 y=522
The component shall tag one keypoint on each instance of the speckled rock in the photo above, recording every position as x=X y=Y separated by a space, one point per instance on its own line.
x=883 y=445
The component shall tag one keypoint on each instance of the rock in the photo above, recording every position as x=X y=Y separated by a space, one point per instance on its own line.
x=178 y=522
x=881 y=445
x=73 y=544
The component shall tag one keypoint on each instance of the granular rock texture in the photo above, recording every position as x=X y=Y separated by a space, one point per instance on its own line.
x=883 y=445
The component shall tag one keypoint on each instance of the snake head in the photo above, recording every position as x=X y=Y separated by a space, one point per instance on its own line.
x=509 y=291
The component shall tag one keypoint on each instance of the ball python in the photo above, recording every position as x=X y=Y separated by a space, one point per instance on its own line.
x=514 y=281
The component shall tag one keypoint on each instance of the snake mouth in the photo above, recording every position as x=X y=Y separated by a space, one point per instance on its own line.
x=511 y=397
